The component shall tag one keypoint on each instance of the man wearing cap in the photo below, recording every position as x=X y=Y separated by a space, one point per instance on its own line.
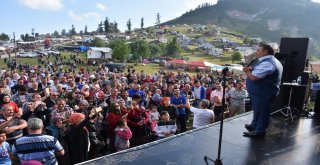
x=36 y=146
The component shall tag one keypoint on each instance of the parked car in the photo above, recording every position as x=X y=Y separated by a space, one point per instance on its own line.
x=162 y=62
x=27 y=54
x=41 y=52
x=115 y=67
x=52 y=52
x=156 y=61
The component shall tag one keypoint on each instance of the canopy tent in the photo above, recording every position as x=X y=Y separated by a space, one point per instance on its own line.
x=200 y=63
x=176 y=61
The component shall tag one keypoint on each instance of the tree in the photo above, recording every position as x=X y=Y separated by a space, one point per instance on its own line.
x=86 y=30
x=56 y=33
x=73 y=30
x=236 y=57
x=116 y=30
x=142 y=23
x=63 y=32
x=158 y=19
x=129 y=25
x=173 y=48
x=100 y=28
x=4 y=37
x=22 y=37
x=37 y=34
x=106 y=26
x=120 y=50
x=140 y=48
x=155 y=50
x=97 y=42
x=81 y=32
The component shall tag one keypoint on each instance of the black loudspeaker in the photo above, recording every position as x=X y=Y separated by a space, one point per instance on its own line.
x=317 y=105
x=297 y=49
x=285 y=60
x=293 y=53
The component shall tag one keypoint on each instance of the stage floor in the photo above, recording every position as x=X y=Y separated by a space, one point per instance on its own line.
x=296 y=143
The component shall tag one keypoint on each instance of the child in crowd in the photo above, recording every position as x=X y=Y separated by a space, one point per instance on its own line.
x=165 y=126
x=154 y=117
x=156 y=98
x=4 y=150
x=122 y=135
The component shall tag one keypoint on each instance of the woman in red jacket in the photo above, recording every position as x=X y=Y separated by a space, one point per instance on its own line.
x=115 y=114
x=138 y=119
x=5 y=100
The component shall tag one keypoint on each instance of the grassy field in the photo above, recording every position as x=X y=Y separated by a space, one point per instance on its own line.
x=148 y=68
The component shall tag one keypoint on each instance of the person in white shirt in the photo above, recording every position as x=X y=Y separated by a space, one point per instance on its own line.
x=202 y=116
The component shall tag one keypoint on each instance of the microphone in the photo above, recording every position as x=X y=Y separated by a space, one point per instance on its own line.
x=251 y=62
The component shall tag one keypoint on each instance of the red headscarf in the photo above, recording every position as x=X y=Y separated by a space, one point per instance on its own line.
x=76 y=117
x=164 y=100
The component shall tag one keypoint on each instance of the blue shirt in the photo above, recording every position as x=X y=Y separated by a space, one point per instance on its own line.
x=264 y=68
x=39 y=147
x=4 y=153
x=178 y=101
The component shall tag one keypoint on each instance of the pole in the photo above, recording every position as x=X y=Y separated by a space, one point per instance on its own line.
x=14 y=44
x=218 y=161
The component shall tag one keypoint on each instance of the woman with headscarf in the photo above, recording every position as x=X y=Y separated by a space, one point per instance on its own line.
x=166 y=106
x=138 y=120
x=82 y=107
x=78 y=137
x=85 y=91
x=5 y=100
x=114 y=116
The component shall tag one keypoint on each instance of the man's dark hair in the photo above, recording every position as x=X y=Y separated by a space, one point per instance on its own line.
x=267 y=47
x=196 y=81
x=164 y=113
x=22 y=88
x=136 y=97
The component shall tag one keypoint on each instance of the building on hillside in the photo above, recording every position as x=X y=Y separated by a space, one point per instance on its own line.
x=206 y=46
x=215 y=52
x=200 y=40
x=163 y=39
x=99 y=53
x=245 y=51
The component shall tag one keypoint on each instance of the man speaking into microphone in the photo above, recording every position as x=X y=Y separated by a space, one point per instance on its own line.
x=263 y=85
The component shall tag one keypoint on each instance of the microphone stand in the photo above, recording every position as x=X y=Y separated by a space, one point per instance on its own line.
x=218 y=161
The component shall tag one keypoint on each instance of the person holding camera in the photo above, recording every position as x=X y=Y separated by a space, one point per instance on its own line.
x=36 y=109
x=78 y=136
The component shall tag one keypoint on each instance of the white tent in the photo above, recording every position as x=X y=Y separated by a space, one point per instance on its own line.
x=103 y=52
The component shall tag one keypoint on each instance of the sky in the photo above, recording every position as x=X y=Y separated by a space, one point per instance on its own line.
x=46 y=16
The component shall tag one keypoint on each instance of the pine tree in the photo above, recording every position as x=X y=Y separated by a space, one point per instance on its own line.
x=129 y=25
x=86 y=30
x=142 y=23
x=106 y=26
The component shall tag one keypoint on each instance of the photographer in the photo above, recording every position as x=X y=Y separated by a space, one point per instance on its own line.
x=36 y=109
x=78 y=135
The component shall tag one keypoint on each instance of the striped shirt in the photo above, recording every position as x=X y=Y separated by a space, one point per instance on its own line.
x=37 y=147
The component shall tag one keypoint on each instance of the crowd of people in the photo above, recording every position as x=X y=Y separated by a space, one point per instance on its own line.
x=59 y=116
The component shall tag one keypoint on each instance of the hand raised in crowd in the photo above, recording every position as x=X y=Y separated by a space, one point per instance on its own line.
x=18 y=114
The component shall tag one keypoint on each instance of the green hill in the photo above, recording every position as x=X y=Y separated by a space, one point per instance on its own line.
x=269 y=20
